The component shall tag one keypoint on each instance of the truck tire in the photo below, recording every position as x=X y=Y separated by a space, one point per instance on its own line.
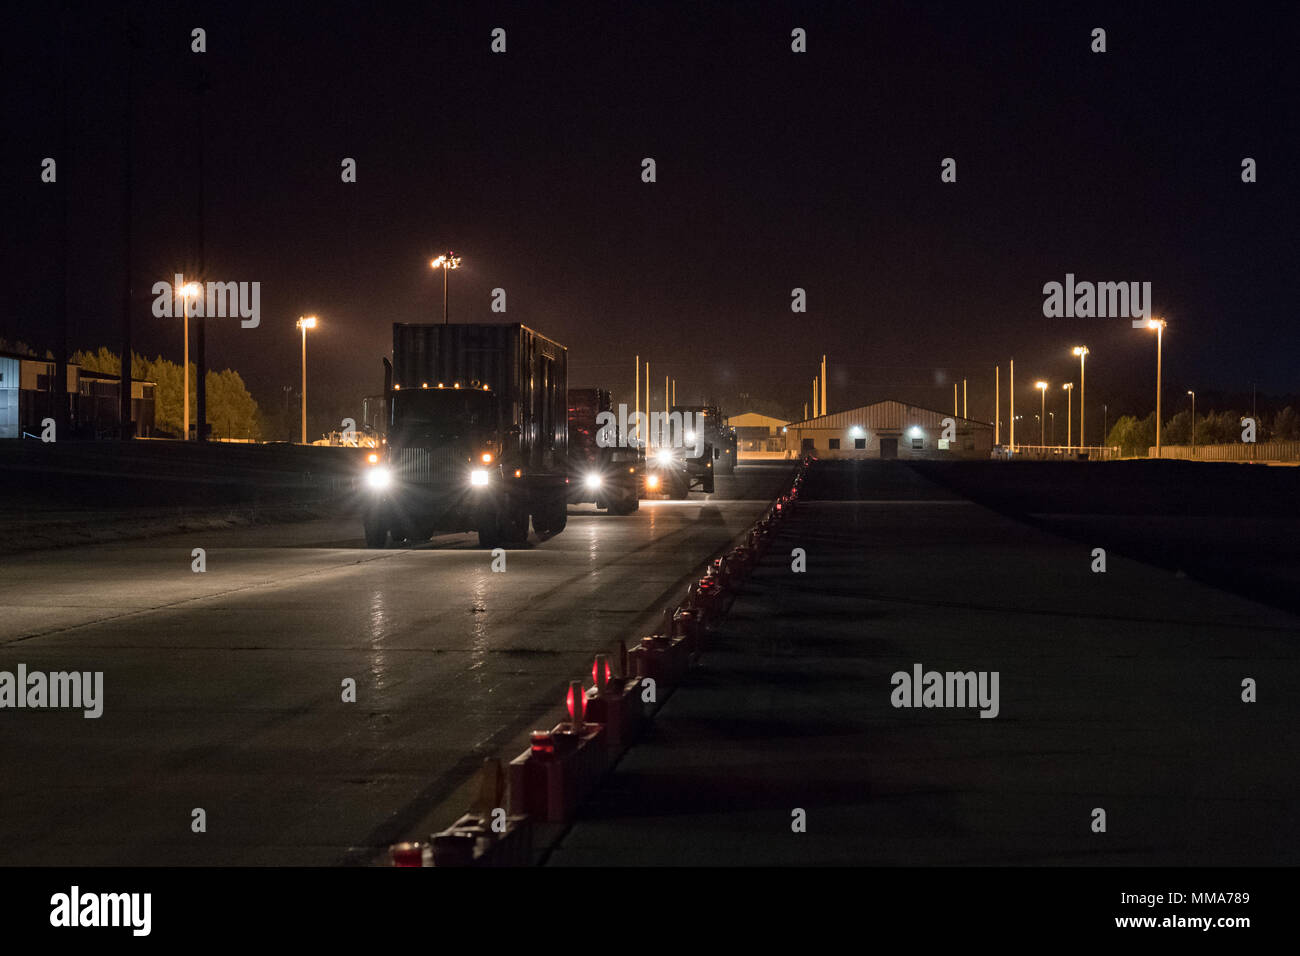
x=376 y=532
x=680 y=489
x=708 y=482
x=489 y=530
x=625 y=503
x=552 y=515
x=515 y=524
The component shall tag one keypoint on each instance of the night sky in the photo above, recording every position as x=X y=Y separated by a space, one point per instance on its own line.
x=775 y=170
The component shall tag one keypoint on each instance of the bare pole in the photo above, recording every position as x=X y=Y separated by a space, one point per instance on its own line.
x=997 y=404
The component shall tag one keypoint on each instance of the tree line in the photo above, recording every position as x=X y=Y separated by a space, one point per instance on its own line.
x=1134 y=436
x=231 y=409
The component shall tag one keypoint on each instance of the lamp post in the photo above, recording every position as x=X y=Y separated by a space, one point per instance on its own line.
x=305 y=322
x=1069 y=412
x=1159 y=326
x=1042 y=419
x=1082 y=352
x=446 y=263
x=1192 y=393
x=188 y=291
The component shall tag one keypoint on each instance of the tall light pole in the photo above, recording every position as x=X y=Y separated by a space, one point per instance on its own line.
x=1069 y=412
x=188 y=291
x=1082 y=352
x=1192 y=393
x=305 y=322
x=446 y=263
x=1159 y=326
x=1042 y=419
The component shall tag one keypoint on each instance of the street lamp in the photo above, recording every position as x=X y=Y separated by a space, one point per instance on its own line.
x=1082 y=352
x=305 y=322
x=446 y=263
x=1192 y=393
x=1042 y=420
x=1069 y=435
x=1159 y=326
x=190 y=290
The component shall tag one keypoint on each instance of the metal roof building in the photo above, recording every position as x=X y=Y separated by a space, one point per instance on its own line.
x=890 y=429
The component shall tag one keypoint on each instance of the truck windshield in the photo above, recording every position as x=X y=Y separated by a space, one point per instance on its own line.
x=443 y=412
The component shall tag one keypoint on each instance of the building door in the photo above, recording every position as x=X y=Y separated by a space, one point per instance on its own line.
x=889 y=448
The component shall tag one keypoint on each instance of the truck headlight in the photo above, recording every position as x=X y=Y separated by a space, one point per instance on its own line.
x=593 y=480
x=664 y=457
x=379 y=477
x=478 y=477
x=652 y=481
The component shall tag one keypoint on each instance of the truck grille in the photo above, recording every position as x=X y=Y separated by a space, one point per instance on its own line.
x=425 y=466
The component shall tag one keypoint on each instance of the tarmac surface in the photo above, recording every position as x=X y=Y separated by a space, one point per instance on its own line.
x=223 y=690
x=1119 y=691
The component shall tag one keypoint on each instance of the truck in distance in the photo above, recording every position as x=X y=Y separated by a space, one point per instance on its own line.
x=605 y=472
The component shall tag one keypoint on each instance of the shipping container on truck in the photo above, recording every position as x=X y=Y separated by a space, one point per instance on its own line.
x=607 y=471
x=476 y=425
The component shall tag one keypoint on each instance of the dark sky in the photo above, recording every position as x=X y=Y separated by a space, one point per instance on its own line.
x=775 y=170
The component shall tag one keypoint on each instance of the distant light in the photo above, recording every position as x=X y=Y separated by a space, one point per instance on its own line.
x=854 y=432
x=478 y=477
x=519 y=473
x=372 y=458
x=593 y=480
x=397 y=388
x=784 y=429
x=425 y=385
x=485 y=388
x=378 y=477
x=307 y=322
x=915 y=431
x=190 y=290
x=457 y=385
x=1041 y=385
x=486 y=457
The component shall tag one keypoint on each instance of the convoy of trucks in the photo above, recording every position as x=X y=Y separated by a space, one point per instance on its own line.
x=478 y=431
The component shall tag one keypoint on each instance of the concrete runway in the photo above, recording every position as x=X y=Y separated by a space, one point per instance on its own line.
x=1120 y=691
x=222 y=690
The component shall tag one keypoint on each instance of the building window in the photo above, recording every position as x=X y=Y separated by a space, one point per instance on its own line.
x=835 y=444
x=859 y=443
x=918 y=443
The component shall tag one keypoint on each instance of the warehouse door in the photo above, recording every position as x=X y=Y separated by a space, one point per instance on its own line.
x=889 y=448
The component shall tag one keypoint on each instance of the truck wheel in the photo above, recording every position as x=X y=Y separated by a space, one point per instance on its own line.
x=515 y=524
x=551 y=516
x=624 y=504
x=489 y=530
x=376 y=532
x=708 y=482
x=681 y=488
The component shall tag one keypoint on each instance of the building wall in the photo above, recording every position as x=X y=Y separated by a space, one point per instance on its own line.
x=10 y=382
x=869 y=431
